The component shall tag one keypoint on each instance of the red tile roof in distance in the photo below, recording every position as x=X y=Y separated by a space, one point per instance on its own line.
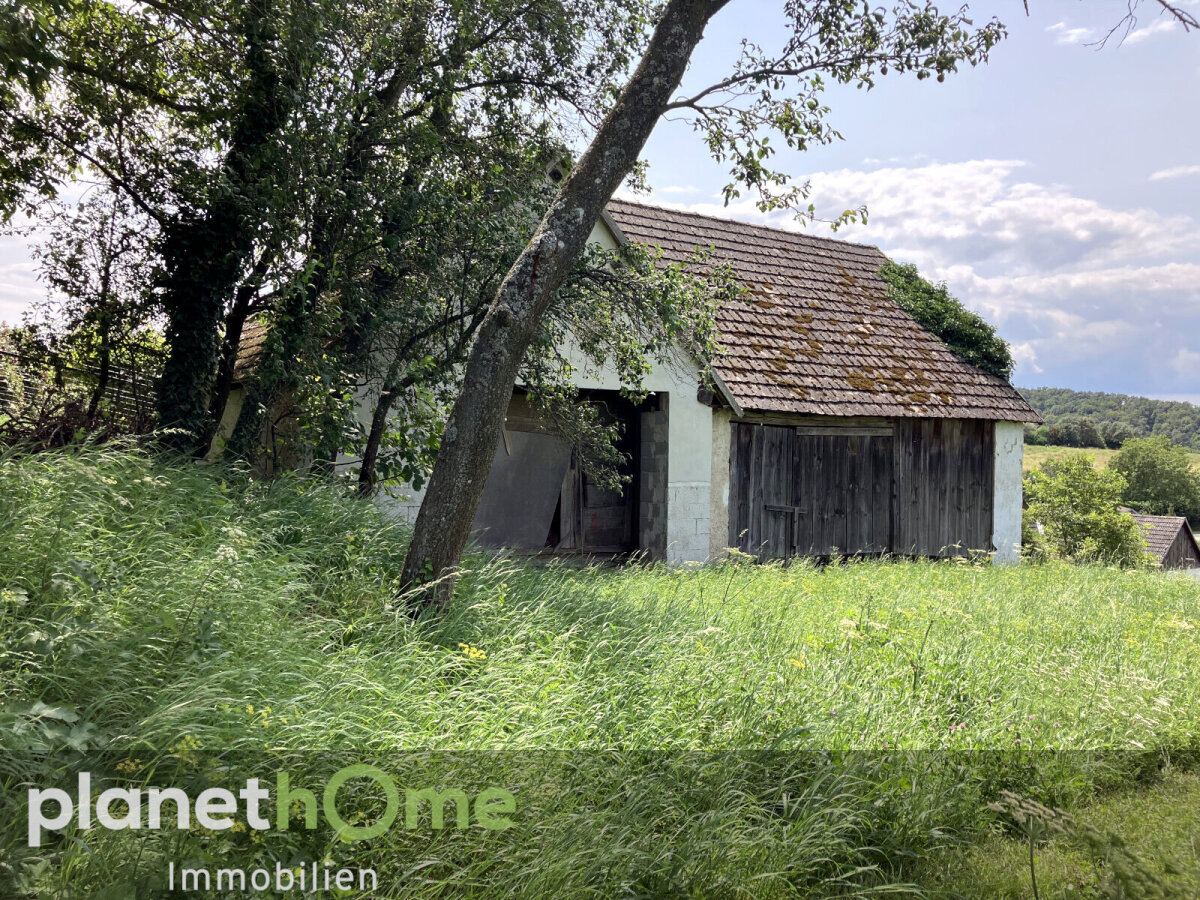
x=816 y=332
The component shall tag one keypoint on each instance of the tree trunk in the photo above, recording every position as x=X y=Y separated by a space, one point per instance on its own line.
x=102 y=378
x=204 y=258
x=366 y=470
x=105 y=325
x=456 y=485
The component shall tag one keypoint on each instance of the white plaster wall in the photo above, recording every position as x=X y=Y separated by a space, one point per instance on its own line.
x=689 y=455
x=722 y=433
x=1006 y=506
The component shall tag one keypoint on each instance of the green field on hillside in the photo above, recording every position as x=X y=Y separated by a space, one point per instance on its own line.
x=729 y=731
x=1036 y=456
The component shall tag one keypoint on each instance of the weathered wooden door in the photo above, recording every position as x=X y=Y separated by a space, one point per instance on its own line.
x=810 y=491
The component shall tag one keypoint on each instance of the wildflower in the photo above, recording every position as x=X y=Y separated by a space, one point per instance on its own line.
x=471 y=652
x=798 y=663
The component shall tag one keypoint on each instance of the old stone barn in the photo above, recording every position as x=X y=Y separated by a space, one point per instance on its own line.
x=838 y=425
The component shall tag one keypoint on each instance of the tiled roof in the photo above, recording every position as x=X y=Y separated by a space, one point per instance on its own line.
x=250 y=350
x=1161 y=532
x=816 y=332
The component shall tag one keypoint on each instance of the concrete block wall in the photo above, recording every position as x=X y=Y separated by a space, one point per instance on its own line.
x=689 y=491
x=652 y=480
x=687 y=522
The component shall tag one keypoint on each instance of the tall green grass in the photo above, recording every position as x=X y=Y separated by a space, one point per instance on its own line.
x=736 y=730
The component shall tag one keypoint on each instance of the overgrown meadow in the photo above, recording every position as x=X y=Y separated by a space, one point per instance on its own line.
x=730 y=731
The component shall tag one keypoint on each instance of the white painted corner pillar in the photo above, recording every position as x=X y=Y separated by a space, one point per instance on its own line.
x=718 y=525
x=689 y=476
x=1006 y=504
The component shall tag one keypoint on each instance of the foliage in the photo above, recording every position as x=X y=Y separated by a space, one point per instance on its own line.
x=351 y=175
x=1159 y=478
x=966 y=333
x=86 y=360
x=732 y=730
x=1119 y=416
x=54 y=389
x=1071 y=513
x=1073 y=431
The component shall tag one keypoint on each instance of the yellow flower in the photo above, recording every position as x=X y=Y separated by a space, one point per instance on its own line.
x=798 y=663
x=472 y=652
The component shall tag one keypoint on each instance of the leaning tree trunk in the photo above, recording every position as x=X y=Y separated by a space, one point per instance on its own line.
x=475 y=423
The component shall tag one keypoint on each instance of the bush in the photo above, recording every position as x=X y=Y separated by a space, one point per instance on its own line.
x=1071 y=513
x=1116 y=433
x=967 y=334
x=1038 y=437
x=1159 y=478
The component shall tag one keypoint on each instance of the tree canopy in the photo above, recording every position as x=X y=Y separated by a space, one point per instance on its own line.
x=354 y=178
x=1159 y=478
x=1119 y=416
x=1071 y=512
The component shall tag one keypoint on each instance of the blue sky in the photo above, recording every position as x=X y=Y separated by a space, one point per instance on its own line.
x=1056 y=190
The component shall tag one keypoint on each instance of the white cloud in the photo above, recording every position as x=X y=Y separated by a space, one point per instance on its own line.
x=1072 y=282
x=1025 y=353
x=1186 y=362
x=19 y=287
x=980 y=211
x=1176 y=172
x=677 y=189
x=1067 y=35
x=1139 y=34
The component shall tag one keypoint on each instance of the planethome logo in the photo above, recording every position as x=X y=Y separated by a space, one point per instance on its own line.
x=217 y=809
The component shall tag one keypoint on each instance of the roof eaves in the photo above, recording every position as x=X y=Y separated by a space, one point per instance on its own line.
x=611 y=224
x=726 y=394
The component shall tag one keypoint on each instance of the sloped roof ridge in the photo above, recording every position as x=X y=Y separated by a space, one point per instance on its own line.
x=820 y=334
x=1159 y=541
x=772 y=229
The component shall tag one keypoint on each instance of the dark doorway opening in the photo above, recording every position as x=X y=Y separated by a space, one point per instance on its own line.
x=539 y=496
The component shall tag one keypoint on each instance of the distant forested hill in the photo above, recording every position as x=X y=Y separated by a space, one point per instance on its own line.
x=1116 y=416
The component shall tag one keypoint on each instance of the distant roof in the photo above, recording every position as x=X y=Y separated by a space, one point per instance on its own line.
x=1161 y=532
x=817 y=332
x=250 y=350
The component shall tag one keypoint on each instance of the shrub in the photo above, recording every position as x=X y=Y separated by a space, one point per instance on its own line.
x=1071 y=512
x=1116 y=433
x=967 y=334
